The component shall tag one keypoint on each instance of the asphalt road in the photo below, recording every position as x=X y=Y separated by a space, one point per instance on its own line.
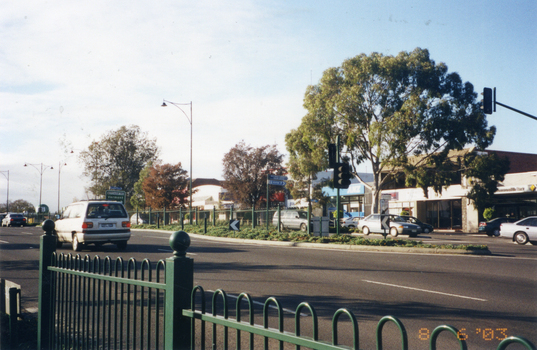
x=486 y=297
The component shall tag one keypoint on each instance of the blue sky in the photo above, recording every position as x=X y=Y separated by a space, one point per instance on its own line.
x=72 y=70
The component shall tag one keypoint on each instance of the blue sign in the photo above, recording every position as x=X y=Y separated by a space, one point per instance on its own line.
x=277 y=177
x=276 y=183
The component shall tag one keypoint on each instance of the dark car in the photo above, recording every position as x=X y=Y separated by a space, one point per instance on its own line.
x=425 y=228
x=492 y=227
x=14 y=219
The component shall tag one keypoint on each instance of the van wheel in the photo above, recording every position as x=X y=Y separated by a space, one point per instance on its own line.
x=365 y=230
x=394 y=232
x=303 y=228
x=281 y=226
x=77 y=246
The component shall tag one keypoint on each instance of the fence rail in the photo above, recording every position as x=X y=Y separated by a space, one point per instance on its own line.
x=94 y=303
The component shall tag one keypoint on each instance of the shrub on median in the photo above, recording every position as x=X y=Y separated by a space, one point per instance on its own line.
x=272 y=234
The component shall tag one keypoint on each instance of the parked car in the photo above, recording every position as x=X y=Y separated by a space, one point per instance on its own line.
x=398 y=225
x=142 y=219
x=522 y=231
x=425 y=228
x=14 y=219
x=94 y=222
x=492 y=227
x=346 y=221
x=293 y=219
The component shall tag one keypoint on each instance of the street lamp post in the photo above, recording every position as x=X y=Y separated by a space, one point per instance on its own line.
x=60 y=166
x=41 y=170
x=7 y=199
x=190 y=121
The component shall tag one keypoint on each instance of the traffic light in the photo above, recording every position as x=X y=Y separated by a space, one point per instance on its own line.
x=332 y=155
x=342 y=175
x=487 y=100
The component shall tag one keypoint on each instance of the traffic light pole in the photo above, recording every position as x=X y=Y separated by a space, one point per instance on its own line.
x=336 y=223
x=489 y=103
x=516 y=110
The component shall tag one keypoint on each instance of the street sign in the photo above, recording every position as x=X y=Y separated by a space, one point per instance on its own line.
x=277 y=177
x=386 y=222
x=276 y=183
x=234 y=225
x=118 y=196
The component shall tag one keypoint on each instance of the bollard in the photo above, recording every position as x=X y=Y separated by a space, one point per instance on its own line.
x=179 y=285
x=44 y=320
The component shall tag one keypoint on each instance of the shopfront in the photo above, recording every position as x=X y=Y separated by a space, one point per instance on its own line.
x=444 y=214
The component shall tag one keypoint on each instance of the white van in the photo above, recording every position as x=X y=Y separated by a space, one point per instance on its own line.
x=94 y=222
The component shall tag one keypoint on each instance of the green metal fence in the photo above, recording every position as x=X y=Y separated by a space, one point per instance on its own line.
x=248 y=217
x=94 y=303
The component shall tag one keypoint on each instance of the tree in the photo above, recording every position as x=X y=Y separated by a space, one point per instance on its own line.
x=392 y=110
x=246 y=170
x=138 y=198
x=485 y=171
x=166 y=186
x=117 y=159
x=18 y=206
x=305 y=161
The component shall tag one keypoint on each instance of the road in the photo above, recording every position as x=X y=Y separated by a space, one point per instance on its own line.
x=485 y=297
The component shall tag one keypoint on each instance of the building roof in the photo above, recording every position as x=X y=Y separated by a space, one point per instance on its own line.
x=519 y=162
x=202 y=182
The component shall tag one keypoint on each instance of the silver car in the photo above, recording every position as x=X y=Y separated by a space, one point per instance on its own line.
x=293 y=219
x=522 y=231
x=397 y=225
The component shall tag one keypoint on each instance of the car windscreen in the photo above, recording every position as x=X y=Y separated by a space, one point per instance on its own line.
x=106 y=210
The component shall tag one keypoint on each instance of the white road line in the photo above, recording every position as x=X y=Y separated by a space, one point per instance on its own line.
x=4 y=242
x=425 y=290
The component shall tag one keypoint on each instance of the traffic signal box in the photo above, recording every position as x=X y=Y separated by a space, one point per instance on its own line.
x=342 y=175
x=487 y=101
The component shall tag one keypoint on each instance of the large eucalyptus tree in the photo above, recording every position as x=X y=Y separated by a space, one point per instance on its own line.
x=403 y=114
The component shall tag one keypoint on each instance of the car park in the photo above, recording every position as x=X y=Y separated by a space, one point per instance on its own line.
x=397 y=225
x=522 y=231
x=292 y=219
x=425 y=228
x=94 y=222
x=14 y=219
x=492 y=227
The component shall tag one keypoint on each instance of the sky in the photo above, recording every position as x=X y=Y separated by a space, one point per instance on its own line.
x=71 y=71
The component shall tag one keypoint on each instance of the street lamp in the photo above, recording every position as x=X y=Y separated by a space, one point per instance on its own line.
x=41 y=170
x=60 y=166
x=190 y=121
x=7 y=200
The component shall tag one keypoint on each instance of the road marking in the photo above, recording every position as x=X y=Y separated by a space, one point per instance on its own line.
x=425 y=290
x=4 y=242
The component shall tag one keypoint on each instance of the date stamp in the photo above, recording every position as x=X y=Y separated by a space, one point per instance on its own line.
x=487 y=334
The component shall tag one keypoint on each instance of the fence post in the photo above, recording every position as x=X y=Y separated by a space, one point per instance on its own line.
x=47 y=249
x=214 y=216
x=253 y=216
x=179 y=285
